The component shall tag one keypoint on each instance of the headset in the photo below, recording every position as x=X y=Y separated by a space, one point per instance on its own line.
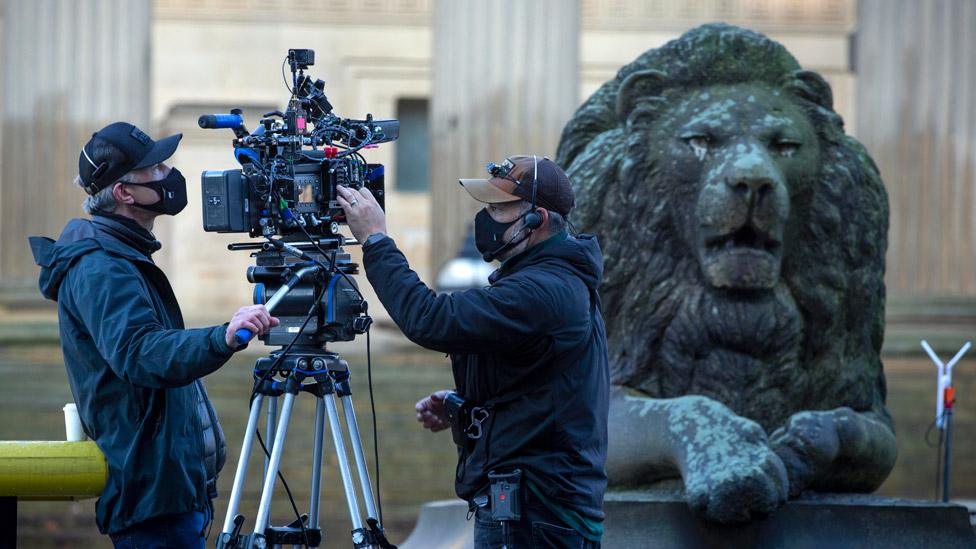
x=92 y=186
x=532 y=219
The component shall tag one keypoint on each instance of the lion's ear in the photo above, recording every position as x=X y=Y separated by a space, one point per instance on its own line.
x=812 y=87
x=641 y=85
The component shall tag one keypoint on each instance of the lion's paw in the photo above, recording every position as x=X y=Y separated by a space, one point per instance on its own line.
x=730 y=473
x=808 y=445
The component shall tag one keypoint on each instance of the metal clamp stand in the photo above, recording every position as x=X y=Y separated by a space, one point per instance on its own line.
x=324 y=375
x=945 y=399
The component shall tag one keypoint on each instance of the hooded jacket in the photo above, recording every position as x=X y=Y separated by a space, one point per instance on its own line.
x=532 y=347
x=133 y=370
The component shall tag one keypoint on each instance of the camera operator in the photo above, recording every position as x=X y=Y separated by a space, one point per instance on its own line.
x=134 y=370
x=528 y=353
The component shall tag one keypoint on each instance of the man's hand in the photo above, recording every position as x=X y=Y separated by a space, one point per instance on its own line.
x=363 y=212
x=255 y=318
x=430 y=412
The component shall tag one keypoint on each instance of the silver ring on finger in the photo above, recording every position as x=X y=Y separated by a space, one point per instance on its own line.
x=354 y=202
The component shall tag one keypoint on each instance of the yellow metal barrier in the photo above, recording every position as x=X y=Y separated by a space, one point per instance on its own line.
x=31 y=470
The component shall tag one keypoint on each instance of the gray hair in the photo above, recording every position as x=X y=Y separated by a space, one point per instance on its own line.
x=557 y=221
x=102 y=201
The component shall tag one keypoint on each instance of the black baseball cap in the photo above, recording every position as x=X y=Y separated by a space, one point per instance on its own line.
x=512 y=180
x=138 y=151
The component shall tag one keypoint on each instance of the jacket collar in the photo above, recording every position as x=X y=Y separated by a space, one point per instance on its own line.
x=524 y=257
x=127 y=232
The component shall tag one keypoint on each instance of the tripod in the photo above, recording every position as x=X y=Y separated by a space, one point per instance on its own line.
x=324 y=375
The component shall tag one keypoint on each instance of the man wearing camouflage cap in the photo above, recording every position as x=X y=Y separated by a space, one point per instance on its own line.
x=529 y=356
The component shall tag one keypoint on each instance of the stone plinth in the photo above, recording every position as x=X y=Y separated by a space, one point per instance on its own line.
x=442 y=524
x=663 y=520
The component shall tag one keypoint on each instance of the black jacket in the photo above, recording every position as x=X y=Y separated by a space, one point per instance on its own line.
x=532 y=346
x=134 y=371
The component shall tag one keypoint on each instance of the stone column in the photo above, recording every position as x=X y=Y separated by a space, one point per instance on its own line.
x=506 y=80
x=916 y=114
x=69 y=68
x=916 y=108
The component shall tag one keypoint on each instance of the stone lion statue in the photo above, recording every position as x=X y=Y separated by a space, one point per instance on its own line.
x=744 y=237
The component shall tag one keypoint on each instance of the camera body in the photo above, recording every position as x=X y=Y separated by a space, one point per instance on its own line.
x=291 y=166
x=242 y=200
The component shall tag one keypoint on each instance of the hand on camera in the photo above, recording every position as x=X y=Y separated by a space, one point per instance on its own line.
x=430 y=412
x=254 y=318
x=363 y=213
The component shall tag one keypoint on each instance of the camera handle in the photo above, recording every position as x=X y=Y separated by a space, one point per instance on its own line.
x=243 y=335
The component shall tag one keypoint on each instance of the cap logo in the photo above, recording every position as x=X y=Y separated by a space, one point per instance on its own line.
x=139 y=136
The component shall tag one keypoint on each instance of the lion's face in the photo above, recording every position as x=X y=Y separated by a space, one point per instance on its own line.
x=743 y=231
x=738 y=156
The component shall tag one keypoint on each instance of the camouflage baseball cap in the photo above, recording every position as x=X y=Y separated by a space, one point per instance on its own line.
x=512 y=180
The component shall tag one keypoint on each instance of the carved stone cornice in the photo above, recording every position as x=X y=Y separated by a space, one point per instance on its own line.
x=835 y=16
x=347 y=12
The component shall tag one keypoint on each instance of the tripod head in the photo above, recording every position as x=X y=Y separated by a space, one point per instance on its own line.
x=311 y=292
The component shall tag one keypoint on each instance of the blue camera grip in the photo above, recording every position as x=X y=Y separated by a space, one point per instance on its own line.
x=216 y=121
x=243 y=335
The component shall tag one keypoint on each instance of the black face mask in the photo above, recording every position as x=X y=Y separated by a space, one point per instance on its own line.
x=172 y=193
x=488 y=235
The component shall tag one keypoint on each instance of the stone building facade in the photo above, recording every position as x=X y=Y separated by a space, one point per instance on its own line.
x=481 y=79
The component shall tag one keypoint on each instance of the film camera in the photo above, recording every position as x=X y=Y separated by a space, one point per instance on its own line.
x=285 y=192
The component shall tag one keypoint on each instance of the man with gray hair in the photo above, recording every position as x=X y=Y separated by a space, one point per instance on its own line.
x=134 y=370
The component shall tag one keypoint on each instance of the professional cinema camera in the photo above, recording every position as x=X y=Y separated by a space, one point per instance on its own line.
x=292 y=164
x=285 y=193
x=286 y=188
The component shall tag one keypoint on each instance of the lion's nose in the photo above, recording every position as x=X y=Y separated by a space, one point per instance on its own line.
x=751 y=188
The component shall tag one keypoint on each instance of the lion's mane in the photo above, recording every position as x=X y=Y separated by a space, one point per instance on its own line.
x=832 y=270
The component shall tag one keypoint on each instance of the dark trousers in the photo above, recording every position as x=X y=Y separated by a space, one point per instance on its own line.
x=538 y=528
x=184 y=530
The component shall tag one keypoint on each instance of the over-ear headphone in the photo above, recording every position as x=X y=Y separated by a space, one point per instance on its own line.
x=532 y=219
x=92 y=186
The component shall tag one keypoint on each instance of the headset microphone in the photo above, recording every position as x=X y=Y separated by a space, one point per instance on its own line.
x=490 y=256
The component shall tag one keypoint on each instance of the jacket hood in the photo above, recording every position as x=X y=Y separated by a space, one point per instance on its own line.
x=581 y=254
x=78 y=238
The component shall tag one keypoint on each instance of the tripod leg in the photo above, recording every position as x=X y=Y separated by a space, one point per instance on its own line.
x=264 y=509
x=241 y=473
x=315 y=498
x=271 y=422
x=357 y=448
x=347 y=483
